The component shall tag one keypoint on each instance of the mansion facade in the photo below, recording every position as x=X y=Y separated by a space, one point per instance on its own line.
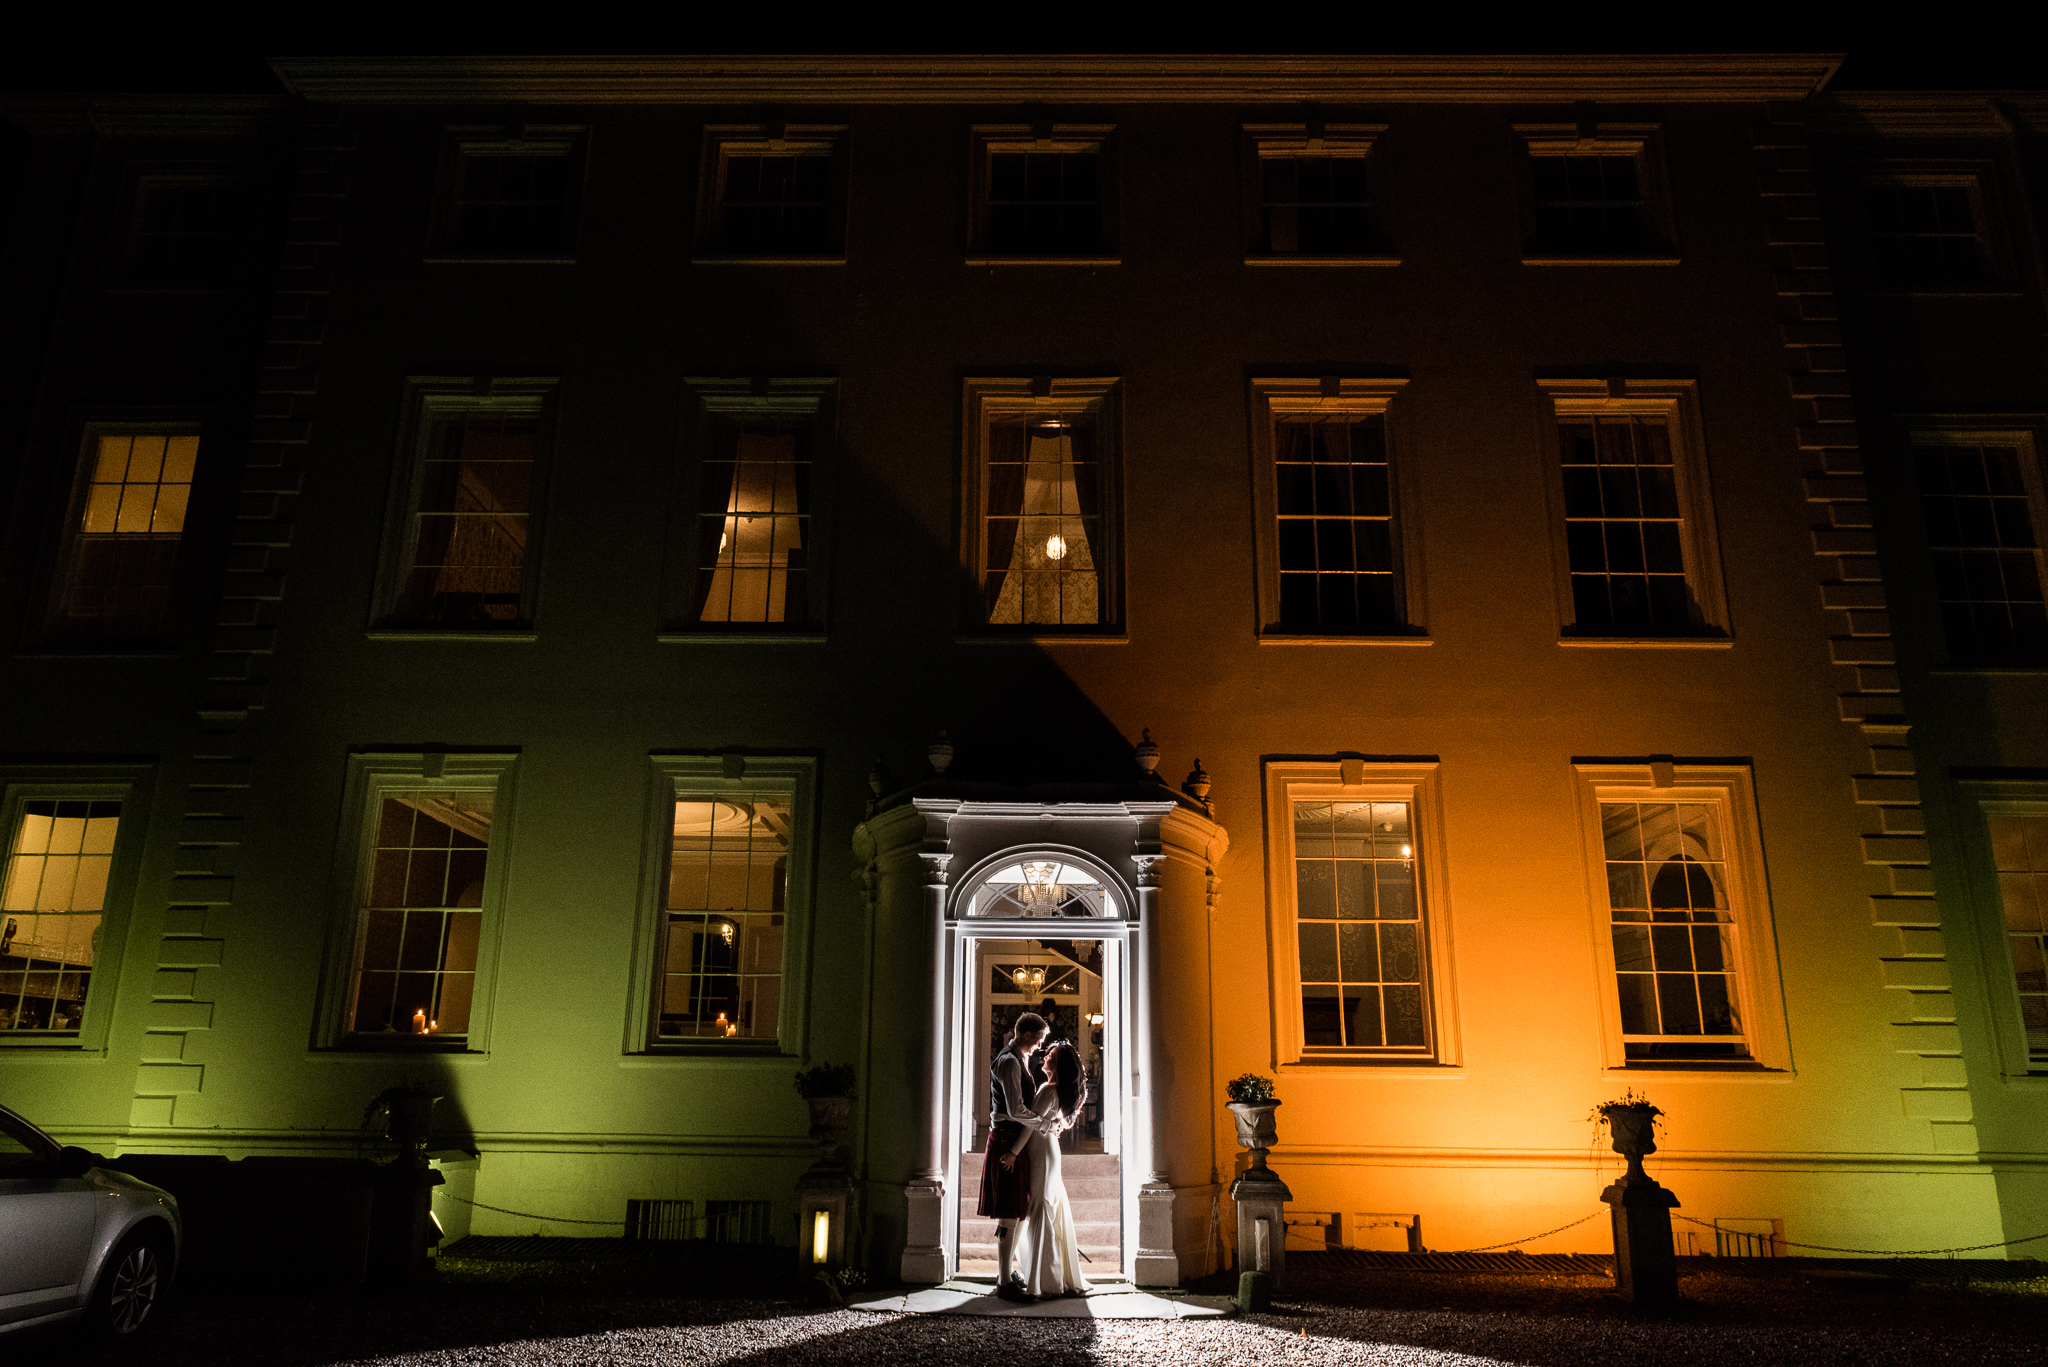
x=1466 y=586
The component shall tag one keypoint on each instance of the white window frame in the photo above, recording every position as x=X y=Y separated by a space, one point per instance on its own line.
x=1979 y=179
x=1960 y=431
x=129 y=785
x=85 y=457
x=987 y=139
x=1641 y=141
x=988 y=399
x=371 y=774
x=672 y=776
x=1416 y=783
x=1274 y=141
x=1276 y=399
x=1677 y=401
x=723 y=141
x=795 y=402
x=1761 y=998
x=568 y=141
x=428 y=398
x=1982 y=799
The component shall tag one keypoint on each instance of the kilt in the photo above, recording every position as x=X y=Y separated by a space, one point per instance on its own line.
x=1005 y=1195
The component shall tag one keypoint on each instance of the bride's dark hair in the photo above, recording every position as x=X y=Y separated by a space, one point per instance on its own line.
x=1069 y=1082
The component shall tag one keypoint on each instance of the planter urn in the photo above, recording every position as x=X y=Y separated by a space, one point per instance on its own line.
x=1256 y=1130
x=830 y=1116
x=1633 y=1129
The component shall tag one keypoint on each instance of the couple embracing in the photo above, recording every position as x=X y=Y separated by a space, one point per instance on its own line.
x=1021 y=1187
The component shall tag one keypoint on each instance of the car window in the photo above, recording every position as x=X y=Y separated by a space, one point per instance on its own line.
x=17 y=1158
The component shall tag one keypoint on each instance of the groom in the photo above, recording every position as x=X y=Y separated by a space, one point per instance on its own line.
x=1005 y=1183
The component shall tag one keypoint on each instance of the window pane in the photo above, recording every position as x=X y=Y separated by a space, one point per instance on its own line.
x=723 y=922
x=754 y=526
x=124 y=551
x=417 y=953
x=1623 y=533
x=512 y=204
x=52 y=898
x=1042 y=526
x=471 y=521
x=2019 y=851
x=1336 y=532
x=1359 y=925
x=1043 y=203
x=1981 y=539
x=1673 y=975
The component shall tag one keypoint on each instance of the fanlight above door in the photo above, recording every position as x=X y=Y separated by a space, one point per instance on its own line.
x=1040 y=888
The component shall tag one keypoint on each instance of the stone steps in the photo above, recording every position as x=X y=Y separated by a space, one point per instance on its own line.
x=1094 y=1190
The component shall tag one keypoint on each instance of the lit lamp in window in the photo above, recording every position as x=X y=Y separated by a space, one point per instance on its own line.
x=1028 y=977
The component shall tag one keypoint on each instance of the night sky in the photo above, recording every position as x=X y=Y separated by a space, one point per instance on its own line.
x=170 y=45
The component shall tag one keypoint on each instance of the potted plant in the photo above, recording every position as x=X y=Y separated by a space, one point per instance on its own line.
x=1253 y=1103
x=828 y=1090
x=1631 y=1122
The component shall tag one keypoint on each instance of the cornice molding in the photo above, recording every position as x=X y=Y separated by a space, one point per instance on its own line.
x=147 y=116
x=1040 y=80
x=1929 y=114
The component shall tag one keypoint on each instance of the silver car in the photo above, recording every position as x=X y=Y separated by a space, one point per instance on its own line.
x=79 y=1240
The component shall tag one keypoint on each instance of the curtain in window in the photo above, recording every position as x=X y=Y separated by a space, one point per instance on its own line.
x=718 y=481
x=1005 y=505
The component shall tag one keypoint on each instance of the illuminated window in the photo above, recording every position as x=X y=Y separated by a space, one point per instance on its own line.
x=730 y=900
x=748 y=563
x=1594 y=194
x=509 y=197
x=751 y=544
x=2019 y=850
x=1331 y=556
x=1687 y=932
x=773 y=193
x=1978 y=497
x=1356 y=896
x=464 y=548
x=422 y=908
x=68 y=845
x=1640 y=557
x=120 y=567
x=1043 y=518
x=1312 y=194
x=1044 y=195
x=59 y=858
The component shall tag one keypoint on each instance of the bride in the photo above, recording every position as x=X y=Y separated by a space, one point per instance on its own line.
x=1051 y=1254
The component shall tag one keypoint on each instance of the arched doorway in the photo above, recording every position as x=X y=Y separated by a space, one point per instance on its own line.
x=1048 y=930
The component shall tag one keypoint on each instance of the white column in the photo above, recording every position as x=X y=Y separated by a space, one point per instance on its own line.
x=1157 y=1263
x=924 y=1249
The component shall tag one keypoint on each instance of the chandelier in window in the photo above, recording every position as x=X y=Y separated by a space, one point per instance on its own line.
x=1028 y=978
x=1038 y=888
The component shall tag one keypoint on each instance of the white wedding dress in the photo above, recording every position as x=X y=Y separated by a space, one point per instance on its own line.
x=1049 y=1255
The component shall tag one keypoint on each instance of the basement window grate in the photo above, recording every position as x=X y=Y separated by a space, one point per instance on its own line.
x=737 y=1222
x=661 y=1219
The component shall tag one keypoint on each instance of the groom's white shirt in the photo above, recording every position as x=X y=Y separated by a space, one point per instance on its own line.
x=1014 y=1085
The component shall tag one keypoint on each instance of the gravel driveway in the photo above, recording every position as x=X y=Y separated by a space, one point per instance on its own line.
x=1434 y=1320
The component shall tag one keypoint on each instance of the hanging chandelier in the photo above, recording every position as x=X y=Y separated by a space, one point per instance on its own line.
x=1038 y=888
x=1028 y=978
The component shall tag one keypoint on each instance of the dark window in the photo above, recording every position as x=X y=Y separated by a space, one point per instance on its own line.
x=513 y=205
x=472 y=521
x=1316 y=205
x=1924 y=235
x=1336 y=532
x=187 y=235
x=422 y=913
x=775 y=205
x=1980 y=534
x=1588 y=204
x=1622 y=528
x=1044 y=203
